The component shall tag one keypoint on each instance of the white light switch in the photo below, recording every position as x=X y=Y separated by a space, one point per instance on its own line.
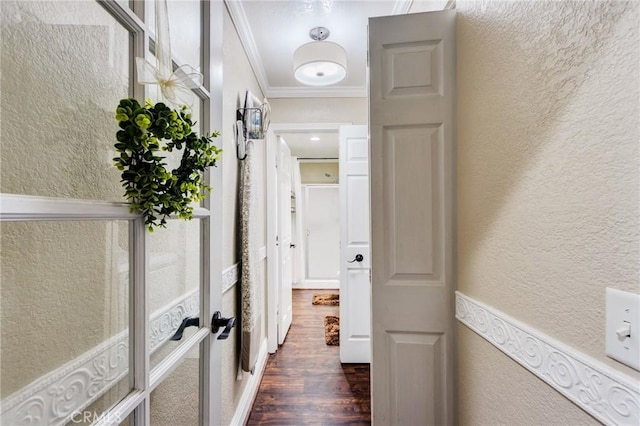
x=623 y=327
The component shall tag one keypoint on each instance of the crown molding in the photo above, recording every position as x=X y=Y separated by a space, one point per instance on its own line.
x=317 y=92
x=239 y=18
x=608 y=395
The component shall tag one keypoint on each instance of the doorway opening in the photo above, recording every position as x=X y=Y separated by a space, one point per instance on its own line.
x=307 y=360
x=303 y=225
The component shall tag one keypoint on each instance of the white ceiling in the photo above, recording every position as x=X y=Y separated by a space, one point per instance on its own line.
x=271 y=30
x=302 y=146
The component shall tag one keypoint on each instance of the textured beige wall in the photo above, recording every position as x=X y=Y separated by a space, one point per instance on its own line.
x=548 y=195
x=484 y=369
x=61 y=79
x=319 y=110
x=238 y=77
x=315 y=172
x=176 y=400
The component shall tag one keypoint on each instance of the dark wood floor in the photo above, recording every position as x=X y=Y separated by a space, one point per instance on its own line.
x=305 y=383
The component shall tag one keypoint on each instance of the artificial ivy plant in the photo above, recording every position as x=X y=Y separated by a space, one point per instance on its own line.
x=152 y=190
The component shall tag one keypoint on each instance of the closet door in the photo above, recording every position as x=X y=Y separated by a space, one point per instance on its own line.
x=412 y=170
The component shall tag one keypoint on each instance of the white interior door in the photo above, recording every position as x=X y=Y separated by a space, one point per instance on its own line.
x=322 y=220
x=285 y=309
x=412 y=93
x=355 y=286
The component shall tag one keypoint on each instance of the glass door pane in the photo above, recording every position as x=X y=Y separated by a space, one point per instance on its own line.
x=176 y=401
x=174 y=284
x=65 y=66
x=64 y=319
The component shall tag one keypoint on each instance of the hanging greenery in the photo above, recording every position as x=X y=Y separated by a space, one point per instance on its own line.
x=152 y=190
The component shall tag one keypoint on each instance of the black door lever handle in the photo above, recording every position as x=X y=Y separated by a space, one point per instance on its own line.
x=187 y=322
x=217 y=321
x=358 y=258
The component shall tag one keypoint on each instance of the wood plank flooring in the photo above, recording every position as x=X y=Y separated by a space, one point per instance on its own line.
x=304 y=382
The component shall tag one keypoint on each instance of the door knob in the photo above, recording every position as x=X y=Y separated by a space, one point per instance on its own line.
x=292 y=245
x=358 y=258
x=217 y=321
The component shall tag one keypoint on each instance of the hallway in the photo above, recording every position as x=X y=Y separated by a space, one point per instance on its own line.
x=304 y=382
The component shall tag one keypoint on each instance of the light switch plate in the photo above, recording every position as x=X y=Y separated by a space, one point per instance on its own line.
x=623 y=306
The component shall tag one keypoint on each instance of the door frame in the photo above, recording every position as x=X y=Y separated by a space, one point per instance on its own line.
x=273 y=259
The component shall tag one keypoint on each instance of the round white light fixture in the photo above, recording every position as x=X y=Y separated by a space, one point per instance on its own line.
x=320 y=63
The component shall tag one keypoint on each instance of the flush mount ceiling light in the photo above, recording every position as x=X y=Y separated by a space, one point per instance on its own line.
x=320 y=63
x=315 y=138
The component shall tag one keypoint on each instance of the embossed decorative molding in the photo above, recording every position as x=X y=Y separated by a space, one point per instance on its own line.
x=54 y=398
x=230 y=277
x=606 y=394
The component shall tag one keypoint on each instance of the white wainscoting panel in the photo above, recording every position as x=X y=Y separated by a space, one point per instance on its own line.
x=608 y=395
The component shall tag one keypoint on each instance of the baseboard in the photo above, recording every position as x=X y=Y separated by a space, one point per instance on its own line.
x=243 y=410
x=607 y=394
x=317 y=285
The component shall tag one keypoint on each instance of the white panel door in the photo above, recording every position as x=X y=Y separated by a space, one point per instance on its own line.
x=355 y=260
x=412 y=85
x=322 y=219
x=285 y=309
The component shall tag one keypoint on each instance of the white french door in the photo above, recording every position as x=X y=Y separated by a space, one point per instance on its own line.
x=91 y=299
